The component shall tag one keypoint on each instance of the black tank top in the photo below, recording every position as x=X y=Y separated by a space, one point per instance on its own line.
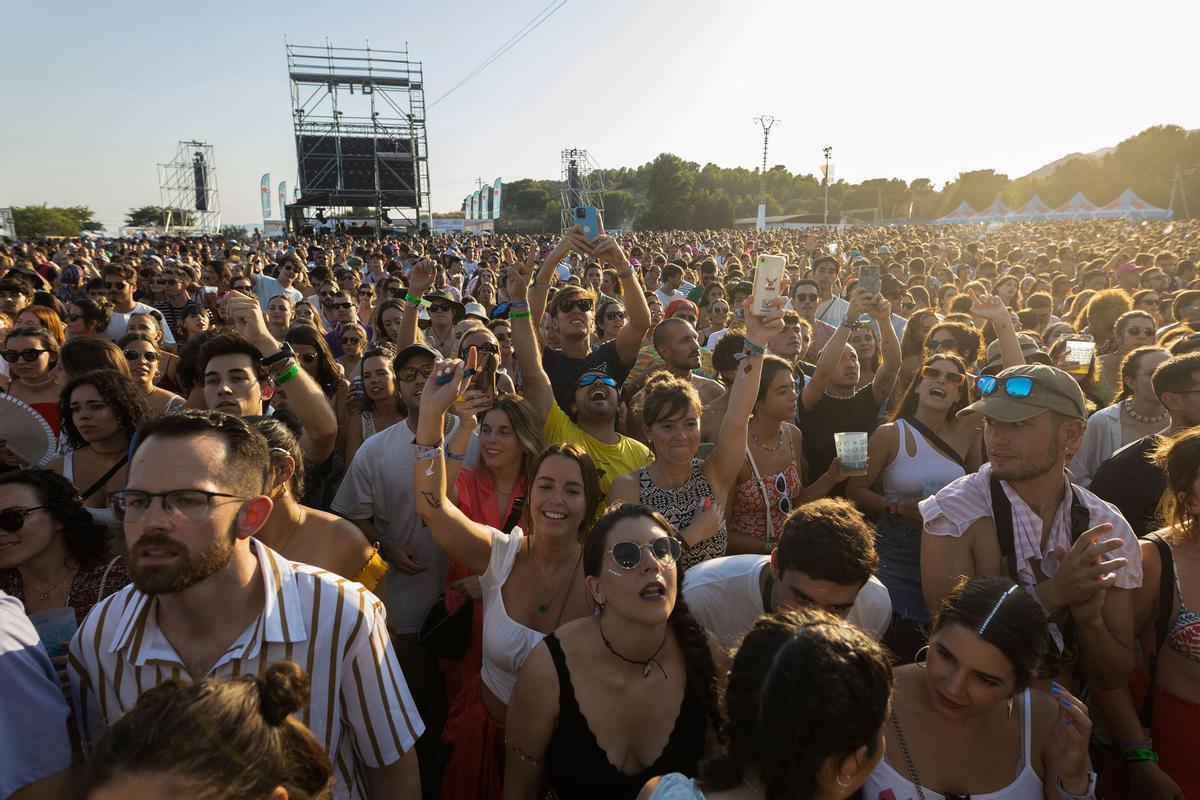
x=579 y=768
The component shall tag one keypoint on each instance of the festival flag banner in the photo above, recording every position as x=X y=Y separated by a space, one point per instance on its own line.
x=266 y=196
x=475 y=204
x=485 y=193
x=496 y=199
x=282 y=198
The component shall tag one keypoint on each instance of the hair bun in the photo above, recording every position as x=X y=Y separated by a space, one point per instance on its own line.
x=282 y=691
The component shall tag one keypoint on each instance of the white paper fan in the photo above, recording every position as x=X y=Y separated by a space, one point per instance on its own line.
x=25 y=432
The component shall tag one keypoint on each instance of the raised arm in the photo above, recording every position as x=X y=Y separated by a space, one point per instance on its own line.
x=318 y=421
x=571 y=240
x=420 y=278
x=725 y=461
x=629 y=339
x=465 y=540
x=885 y=377
x=832 y=353
x=474 y=402
x=536 y=384
x=991 y=308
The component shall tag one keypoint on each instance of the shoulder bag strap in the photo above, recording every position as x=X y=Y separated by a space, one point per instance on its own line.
x=762 y=488
x=1002 y=517
x=104 y=578
x=938 y=442
x=1162 y=620
x=103 y=479
x=514 y=516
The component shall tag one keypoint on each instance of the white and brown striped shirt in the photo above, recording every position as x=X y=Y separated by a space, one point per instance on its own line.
x=360 y=707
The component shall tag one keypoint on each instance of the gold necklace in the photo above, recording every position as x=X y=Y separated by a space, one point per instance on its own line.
x=46 y=594
x=537 y=591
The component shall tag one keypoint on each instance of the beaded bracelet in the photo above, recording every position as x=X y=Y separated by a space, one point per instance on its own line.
x=520 y=314
x=287 y=374
x=521 y=754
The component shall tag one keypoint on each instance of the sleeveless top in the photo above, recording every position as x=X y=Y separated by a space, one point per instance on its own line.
x=885 y=783
x=920 y=475
x=679 y=507
x=1183 y=636
x=579 y=768
x=675 y=786
x=506 y=642
x=747 y=514
x=102 y=516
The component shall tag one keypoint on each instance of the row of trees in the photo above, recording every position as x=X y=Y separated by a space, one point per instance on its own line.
x=44 y=220
x=669 y=192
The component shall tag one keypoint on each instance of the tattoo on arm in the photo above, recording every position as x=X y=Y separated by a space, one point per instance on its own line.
x=432 y=499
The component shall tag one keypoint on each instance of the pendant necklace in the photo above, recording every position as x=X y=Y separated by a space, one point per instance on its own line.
x=644 y=664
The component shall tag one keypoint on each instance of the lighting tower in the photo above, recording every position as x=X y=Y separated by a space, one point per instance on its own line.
x=767 y=122
x=828 y=177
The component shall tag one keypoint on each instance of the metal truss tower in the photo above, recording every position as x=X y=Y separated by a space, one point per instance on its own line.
x=583 y=183
x=188 y=188
x=359 y=121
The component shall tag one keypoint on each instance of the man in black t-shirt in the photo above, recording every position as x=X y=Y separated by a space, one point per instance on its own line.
x=829 y=403
x=1128 y=478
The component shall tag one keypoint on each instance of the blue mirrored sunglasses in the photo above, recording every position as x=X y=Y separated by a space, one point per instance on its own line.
x=1019 y=386
x=588 y=380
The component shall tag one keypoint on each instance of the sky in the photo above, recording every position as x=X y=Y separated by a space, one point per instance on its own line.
x=97 y=94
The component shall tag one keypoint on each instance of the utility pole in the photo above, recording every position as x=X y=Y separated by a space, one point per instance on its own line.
x=1177 y=184
x=767 y=122
x=828 y=155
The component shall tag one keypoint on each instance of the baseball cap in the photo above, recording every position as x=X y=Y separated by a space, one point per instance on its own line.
x=1128 y=266
x=415 y=349
x=1029 y=346
x=679 y=305
x=1050 y=389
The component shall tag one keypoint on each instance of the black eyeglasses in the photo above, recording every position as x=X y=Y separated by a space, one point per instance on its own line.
x=343 y=305
x=30 y=354
x=184 y=505
x=149 y=356
x=582 y=304
x=307 y=358
x=408 y=374
x=365 y=292
x=245 y=287
x=13 y=519
x=628 y=555
x=350 y=340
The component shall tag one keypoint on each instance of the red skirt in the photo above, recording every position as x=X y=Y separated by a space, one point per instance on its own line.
x=1176 y=733
x=476 y=768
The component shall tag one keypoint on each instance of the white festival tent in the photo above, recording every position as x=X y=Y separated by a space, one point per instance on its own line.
x=964 y=213
x=1035 y=208
x=1078 y=207
x=996 y=212
x=1130 y=205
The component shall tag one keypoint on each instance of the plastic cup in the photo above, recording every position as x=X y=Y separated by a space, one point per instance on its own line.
x=1078 y=358
x=55 y=627
x=852 y=450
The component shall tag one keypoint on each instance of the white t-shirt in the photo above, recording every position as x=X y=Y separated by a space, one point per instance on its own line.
x=666 y=299
x=379 y=486
x=118 y=326
x=832 y=311
x=714 y=338
x=724 y=597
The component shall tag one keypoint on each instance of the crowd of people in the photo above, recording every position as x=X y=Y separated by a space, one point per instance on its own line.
x=510 y=516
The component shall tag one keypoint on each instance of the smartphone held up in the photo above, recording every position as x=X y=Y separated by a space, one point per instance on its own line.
x=768 y=282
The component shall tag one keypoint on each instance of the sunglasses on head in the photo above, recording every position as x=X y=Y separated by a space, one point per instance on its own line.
x=1019 y=386
x=588 y=380
x=583 y=304
x=149 y=356
x=13 y=519
x=628 y=555
x=936 y=345
x=407 y=374
x=933 y=373
x=30 y=354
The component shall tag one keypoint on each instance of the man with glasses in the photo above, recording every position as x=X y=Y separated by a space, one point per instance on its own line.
x=345 y=313
x=208 y=601
x=805 y=296
x=825 y=559
x=120 y=282
x=1019 y=516
x=174 y=283
x=377 y=496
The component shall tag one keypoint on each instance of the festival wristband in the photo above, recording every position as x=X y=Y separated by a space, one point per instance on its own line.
x=456 y=456
x=1135 y=754
x=751 y=348
x=519 y=314
x=518 y=305
x=415 y=302
x=287 y=374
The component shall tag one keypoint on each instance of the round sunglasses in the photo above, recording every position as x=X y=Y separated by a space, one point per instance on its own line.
x=628 y=555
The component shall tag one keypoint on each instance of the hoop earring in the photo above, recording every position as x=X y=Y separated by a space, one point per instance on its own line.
x=917 y=657
x=843 y=785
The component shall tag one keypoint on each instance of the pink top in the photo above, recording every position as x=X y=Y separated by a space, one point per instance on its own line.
x=477 y=497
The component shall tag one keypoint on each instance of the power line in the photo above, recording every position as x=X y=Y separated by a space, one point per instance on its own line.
x=526 y=29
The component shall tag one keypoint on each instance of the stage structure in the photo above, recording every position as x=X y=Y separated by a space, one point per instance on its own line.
x=583 y=183
x=359 y=121
x=188 y=188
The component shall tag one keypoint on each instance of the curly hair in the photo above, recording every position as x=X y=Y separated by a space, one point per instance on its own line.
x=805 y=687
x=219 y=740
x=697 y=657
x=86 y=542
x=126 y=399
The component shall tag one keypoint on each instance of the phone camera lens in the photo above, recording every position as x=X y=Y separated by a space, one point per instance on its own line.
x=580 y=213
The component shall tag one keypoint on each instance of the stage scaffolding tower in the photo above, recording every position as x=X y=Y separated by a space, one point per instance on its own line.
x=188 y=188
x=359 y=121
x=583 y=183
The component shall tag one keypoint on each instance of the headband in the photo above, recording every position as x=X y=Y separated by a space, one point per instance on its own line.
x=988 y=620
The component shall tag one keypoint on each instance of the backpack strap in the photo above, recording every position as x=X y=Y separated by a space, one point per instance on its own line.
x=1162 y=620
x=1002 y=518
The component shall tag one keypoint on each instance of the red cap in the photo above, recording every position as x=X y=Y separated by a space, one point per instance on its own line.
x=680 y=304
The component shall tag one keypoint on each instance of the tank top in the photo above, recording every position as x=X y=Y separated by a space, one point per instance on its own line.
x=579 y=768
x=920 y=475
x=747 y=514
x=1183 y=636
x=506 y=642
x=679 y=507
x=885 y=783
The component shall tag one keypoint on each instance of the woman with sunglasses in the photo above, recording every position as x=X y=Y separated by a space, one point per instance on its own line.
x=639 y=671
x=502 y=330
x=965 y=720
x=142 y=354
x=1133 y=329
x=716 y=318
x=54 y=555
x=306 y=314
x=806 y=708
x=281 y=312
x=912 y=343
x=610 y=320
x=31 y=354
x=1136 y=413
x=365 y=299
x=957 y=338
x=354 y=342
x=86 y=317
x=43 y=317
x=101 y=411
x=531 y=576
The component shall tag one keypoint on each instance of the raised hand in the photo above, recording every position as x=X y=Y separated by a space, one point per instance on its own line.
x=446 y=383
x=420 y=278
x=1067 y=748
x=246 y=314
x=521 y=274
x=760 y=330
x=989 y=307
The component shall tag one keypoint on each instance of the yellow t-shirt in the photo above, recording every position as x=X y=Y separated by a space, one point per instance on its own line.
x=612 y=460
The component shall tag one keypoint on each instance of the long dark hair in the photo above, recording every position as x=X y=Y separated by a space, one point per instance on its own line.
x=1130 y=366
x=86 y=542
x=388 y=354
x=970 y=340
x=126 y=399
x=908 y=404
x=1013 y=622
x=805 y=687
x=697 y=657
x=911 y=344
x=327 y=376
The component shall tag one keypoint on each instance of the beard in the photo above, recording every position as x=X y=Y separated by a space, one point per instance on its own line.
x=1032 y=466
x=189 y=569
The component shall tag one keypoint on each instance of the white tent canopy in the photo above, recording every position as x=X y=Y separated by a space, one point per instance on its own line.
x=1078 y=207
x=1130 y=205
x=996 y=212
x=964 y=213
x=1034 y=208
